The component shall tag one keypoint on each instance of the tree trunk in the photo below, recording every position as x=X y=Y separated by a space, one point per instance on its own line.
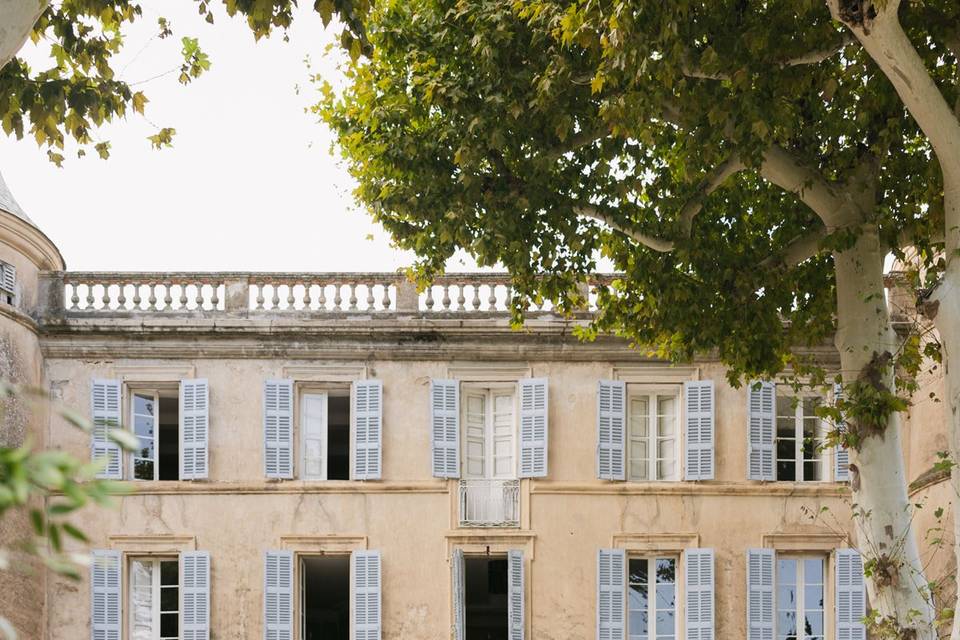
x=17 y=18
x=883 y=510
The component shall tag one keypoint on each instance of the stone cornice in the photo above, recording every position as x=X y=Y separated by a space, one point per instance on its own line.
x=19 y=317
x=354 y=338
x=31 y=242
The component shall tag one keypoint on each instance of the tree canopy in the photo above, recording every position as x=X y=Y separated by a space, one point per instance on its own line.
x=684 y=141
x=79 y=90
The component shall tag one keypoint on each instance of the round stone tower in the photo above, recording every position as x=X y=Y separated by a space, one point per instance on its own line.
x=25 y=252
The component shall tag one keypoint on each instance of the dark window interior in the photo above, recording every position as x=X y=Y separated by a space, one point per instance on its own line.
x=338 y=437
x=325 y=601
x=486 y=598
x=169 y=455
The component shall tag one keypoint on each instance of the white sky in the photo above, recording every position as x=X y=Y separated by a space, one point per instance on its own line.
x=249 y=185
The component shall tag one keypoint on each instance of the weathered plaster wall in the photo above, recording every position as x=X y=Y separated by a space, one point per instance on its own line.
x=411 y=517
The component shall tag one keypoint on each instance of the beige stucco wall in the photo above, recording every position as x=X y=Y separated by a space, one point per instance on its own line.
x=411 y=517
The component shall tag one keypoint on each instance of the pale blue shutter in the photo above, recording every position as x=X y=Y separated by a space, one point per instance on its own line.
x=699 y=594
x=699 y=429
x=278 y=595
x=515 y=599
x=611 y=429
x=841 y=457
x=278 y=428
x=760 y=569
x=459 y=591
x=850 y=595
x=445 y=428
x=105 y=409
x=761 y=411
x=366 y=594
x=194 y=429
x=105 y=590
x=533 y=428
x=195 y=578
x=368 y=429
x=611 y=594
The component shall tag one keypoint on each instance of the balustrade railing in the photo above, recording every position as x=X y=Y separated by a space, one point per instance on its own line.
x=95 y=292
x=489 y=503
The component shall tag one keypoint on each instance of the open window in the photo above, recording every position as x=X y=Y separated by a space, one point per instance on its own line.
x=333 y=431
x=154 y=599
x=800 y=437
x=170 y=422
x=324 y=597
x=488 y=595
x=653 y=445
x=8 y=283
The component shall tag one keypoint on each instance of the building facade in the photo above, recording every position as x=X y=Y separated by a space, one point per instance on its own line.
x=337 y=456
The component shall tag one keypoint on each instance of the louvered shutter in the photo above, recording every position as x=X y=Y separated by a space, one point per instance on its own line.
x=841 y=457
x=445 y=428
x=761 y=427
x=278 y=428
x=533 y=428
x=515 y=599
x=105 y=408
x=699 y=429
x=8 y=282
x=851 y=595
x=368 y=429
x=611 y=593
x=459 y=591
x=366 y=594
x=194 y=429
x=611 y=430
x=278 y=595
x=760 y=567
x=699 y=594
x=195 y=578
x=105 y=607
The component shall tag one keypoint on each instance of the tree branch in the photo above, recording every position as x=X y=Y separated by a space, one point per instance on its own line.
x=710 y=183
x=784 y=170
x=799 y=250
x=656 y=243
x=811 y=57
x=576 y=141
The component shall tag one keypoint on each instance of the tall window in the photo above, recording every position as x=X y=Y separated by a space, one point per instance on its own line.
x=325 y=434
x=800 y=436
x=799 y=598
x=653 y=414
x=489 y=433
x=652 y=599
x=156 y=424
x=154 y=599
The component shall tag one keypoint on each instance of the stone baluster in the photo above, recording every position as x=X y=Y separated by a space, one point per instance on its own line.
x=492 y=299
x=136 y=296
x=446 y=297
x=89 y=297
x=105 y=298
x=353 y=296
x=122 y=297
x=429 y=300
x=322 y=300
x=476 y=297
x=337 y=299
x=183 y=295
x=75 y=296
x=371 y=301
x=259 y=296
x=167 y=296
x=307 y=301
x=152 y=300
x=461 y=299
x=275 y=300
x=386 y=297
x=290 y=299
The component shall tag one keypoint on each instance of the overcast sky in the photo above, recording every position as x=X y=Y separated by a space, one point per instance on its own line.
x=249 y=185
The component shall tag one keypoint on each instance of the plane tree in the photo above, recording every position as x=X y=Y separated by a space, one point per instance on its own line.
x=745 y=166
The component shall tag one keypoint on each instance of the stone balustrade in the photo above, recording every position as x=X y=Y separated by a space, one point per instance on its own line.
x=102 y=293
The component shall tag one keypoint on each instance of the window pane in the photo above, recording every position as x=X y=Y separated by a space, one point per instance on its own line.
x=144 y=405
x=666 y=570
x=142 y=469
x=813 y=597
x=169 y=572
x=639 y=469
x=786 y=597
x=810 y=404
x=145 y=448
x=170 y=599
x=639 y=625
x=638 y=571
x=666 y=623
x=666 y=597
x=786 y=470
x=141 y=600
x=143 y=425
x=667 y=415
x=785 y=406
x=787 y=624
x=813 y=624
x=813 y=571
x=169 y=625
x=787 y=571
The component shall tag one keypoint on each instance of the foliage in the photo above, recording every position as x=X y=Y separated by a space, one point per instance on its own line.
x=494 y=127
x=80 y=91
x=51 y=486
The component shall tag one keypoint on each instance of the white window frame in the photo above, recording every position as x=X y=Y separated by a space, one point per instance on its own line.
x=489 y=390
x=333 y=389
x=825 y=456
x=165 y=390
x=652 y=593
x=801 y=590
x=652 y=392
x=155 y=598
x=324 y=397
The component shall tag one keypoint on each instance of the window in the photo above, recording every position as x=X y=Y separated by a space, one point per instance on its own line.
x=800 y=597
x=485 y=603
x=799 y=440
x=8 y=283
x=489 y=432
x=154 y=599
x=654 y=417
x=156 y=424
x=324 y=597
x=325 y=434
x=652 y=599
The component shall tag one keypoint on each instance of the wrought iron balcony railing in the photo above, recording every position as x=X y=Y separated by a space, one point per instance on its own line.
x=489 y=503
